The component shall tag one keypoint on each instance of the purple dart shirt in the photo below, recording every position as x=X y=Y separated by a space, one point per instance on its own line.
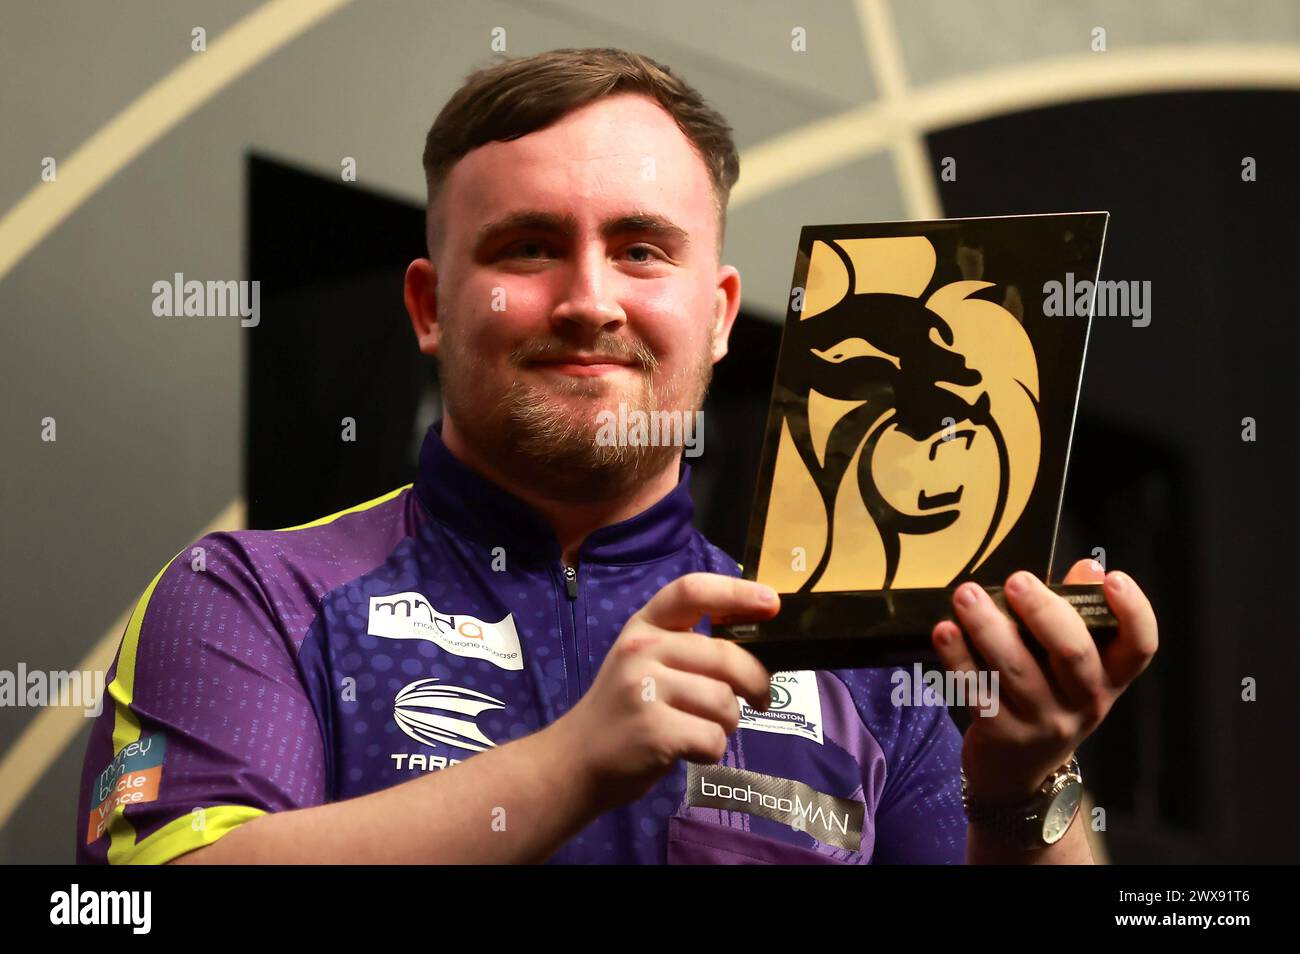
x=271 y=670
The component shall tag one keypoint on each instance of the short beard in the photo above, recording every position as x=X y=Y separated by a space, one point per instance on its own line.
x=553 y=448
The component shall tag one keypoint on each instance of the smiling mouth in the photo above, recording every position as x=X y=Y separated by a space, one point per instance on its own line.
x=581 y=365
x=581 y=359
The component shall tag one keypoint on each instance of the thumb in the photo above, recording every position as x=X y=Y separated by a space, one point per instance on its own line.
x=1085 y=571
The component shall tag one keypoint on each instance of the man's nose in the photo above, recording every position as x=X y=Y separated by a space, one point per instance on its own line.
x=588 y=300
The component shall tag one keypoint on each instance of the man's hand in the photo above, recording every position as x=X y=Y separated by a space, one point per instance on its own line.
x=665 y=693
x=1045 y=711
x=662 y=694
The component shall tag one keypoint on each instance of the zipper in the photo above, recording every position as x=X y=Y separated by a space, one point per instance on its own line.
x=570 y=574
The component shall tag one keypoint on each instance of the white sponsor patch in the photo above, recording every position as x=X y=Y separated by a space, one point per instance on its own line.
x=411 y=616
x=795 y=709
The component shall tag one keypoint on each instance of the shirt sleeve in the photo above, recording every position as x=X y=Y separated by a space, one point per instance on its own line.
x=919 y=818
x=206 y=722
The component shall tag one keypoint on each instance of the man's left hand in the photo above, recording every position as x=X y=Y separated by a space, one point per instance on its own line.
x=1045 y=710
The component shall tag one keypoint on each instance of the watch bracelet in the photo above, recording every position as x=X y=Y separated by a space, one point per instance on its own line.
x=1009 y=820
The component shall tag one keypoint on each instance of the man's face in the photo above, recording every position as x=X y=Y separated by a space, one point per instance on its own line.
x=578 y=271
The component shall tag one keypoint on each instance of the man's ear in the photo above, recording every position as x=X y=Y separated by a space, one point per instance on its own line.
x=726 y=305
x=421 y=296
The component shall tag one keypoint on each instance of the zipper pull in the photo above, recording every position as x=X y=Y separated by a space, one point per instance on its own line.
x=571 y=581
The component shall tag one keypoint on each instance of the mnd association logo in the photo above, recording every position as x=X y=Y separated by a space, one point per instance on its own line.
x=213 y=299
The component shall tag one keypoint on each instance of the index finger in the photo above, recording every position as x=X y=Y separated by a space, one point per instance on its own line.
x=722 y=660
x=681 y=604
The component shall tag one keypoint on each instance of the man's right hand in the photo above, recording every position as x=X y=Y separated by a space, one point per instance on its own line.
x=664 y=692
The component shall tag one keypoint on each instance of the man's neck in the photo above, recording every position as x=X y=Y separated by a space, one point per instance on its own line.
x=572 y=522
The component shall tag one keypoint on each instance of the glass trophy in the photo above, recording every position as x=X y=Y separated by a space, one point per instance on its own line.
x=919 y=431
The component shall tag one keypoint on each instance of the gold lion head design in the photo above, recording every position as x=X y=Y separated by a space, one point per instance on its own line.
x=910 y=439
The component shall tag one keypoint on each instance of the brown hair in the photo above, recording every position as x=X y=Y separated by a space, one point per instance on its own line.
x=518 y=96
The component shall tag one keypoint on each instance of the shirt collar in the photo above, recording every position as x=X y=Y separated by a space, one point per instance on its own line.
x=460 y=497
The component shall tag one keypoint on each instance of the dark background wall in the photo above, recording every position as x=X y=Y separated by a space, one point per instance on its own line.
x=1160 y=476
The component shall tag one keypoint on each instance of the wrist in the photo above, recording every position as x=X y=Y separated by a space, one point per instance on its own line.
x=989 y=783
x=570 y=774
x=1038 y=821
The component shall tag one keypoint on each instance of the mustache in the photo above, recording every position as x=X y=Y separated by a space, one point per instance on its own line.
x=632 y=350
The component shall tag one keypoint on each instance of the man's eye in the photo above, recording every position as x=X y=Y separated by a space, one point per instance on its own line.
x=528 y=249
x=642 y=253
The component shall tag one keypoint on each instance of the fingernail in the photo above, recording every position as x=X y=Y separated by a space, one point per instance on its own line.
x=1017 y=584
x=767 y=596
x=1116 y=581
x=966 y=595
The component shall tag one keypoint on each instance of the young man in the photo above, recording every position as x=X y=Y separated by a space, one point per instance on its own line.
x=507 y=660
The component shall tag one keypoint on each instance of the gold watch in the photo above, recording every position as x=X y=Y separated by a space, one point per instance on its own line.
x=1037 y=823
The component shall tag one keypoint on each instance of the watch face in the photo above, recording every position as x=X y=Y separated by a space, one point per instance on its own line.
x=1057 y=818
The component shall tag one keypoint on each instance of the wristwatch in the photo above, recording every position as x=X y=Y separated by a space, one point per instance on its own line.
x=1039 y=822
